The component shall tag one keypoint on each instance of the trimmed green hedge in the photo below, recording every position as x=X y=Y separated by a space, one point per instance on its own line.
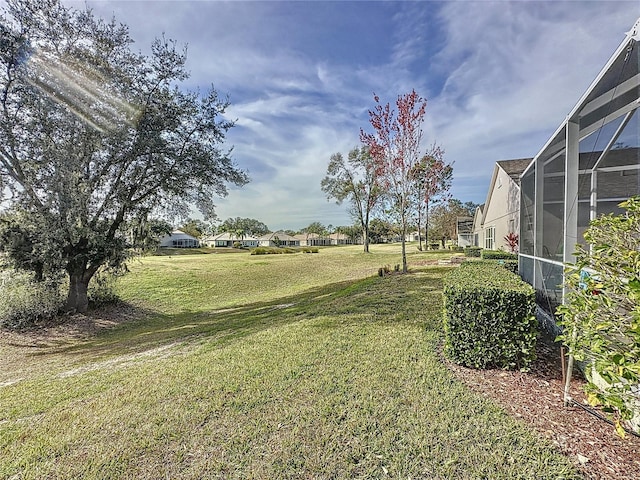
x=472 y=251
x=511 y=265
x=489 y=317
x=272 y=250
x=498 y=255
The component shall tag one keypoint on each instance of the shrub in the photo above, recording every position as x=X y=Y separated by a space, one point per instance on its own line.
x=498 y=255
x=434 y=246
x=310 y=250
x=272 y=250
x=511 y=265
x=601 y=315
x=386 y=270
x=489 y=317
x=24 y=303
x=472 y=251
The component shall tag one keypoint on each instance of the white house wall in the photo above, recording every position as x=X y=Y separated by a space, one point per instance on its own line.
x=478 y=235
x=502 y=209
x=168 y=240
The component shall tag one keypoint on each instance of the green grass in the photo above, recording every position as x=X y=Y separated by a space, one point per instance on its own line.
x=290 y=366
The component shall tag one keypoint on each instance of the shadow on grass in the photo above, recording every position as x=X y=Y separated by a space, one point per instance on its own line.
x=410 y=298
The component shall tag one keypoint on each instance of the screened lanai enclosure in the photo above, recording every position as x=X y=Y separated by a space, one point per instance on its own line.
x=589 y=165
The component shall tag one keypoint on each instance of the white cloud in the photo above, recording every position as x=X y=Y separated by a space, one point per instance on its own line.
x=513 y=71
x=499 y=78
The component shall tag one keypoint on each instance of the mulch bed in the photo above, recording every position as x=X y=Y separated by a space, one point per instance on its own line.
x=536 y=398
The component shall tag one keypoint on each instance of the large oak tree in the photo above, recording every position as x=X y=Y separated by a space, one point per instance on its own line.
x=94 y=137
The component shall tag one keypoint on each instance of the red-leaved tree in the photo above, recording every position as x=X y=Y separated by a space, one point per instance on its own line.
x=395 y=147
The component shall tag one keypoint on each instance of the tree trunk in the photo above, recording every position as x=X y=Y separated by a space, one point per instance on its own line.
x=404 y=256
x=404 y=246
x=419 y=233
x=365 y=240
x=365 y=231
x=77 y=298
x=426 y=228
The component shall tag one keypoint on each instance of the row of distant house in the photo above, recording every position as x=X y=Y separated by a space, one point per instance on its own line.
x=179 y=239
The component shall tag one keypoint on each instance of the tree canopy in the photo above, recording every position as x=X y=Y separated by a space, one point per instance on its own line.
x=396 y=147
x=196 y=228
x=432 y=178
x=357 y=181
x=443 y=217
x=95 y=137
x=245 y=226
x=315 y=227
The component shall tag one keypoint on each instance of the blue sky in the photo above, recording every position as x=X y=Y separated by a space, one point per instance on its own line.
x=499 y=78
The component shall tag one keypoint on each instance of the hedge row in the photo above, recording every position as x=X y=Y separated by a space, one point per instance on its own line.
x=272 y=250
x=489 y=254
x=472 y=251
x=489 y=317
x=498 y=255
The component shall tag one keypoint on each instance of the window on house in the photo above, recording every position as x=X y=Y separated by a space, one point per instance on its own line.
x=489 y=238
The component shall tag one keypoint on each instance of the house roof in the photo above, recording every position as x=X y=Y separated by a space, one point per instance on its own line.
x=514 y=168
x=308 y=236
x=337 y=236
x=232 y=237
x=180 y=233
x=280 y=234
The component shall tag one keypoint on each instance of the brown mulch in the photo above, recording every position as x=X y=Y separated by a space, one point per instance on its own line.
x=536 y=398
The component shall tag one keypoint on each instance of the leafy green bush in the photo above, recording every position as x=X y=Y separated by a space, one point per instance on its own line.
x=472 y=251
x=511 y=265
x=24 y=303
x=272 y=250
x=601 y=315
x=497 y=255
x=310 y=250
x=489 y=317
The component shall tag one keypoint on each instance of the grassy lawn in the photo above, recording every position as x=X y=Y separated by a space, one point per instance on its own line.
x=263 y=367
